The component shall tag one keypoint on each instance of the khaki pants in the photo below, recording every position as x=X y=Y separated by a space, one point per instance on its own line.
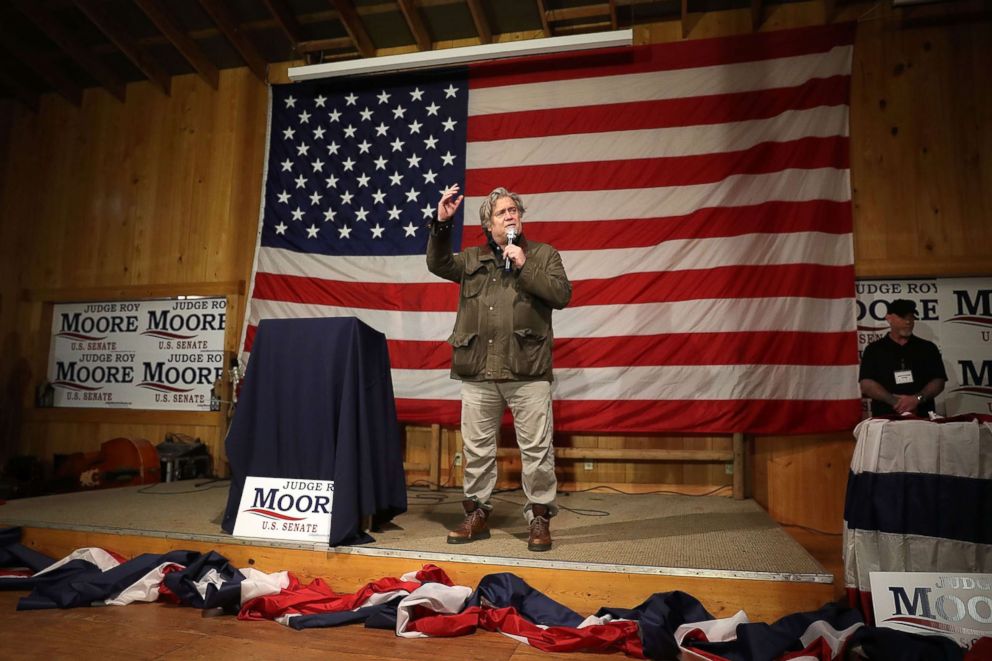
x=483 y=403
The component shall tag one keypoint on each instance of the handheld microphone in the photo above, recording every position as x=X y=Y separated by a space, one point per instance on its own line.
x=511 y=234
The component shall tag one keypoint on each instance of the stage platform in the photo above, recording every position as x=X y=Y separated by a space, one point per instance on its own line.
x=610 y=549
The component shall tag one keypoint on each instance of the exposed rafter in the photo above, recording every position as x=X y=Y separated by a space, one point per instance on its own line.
x=757 y=14
x=28 y=98
x=829 y=10
x=119 y=36
x=336 y=44
x=54 y=75
x=480 y=20
x=83 y=56
x=353 y=24
x=287 y=22
x=543 y=12
x=63 y=46
x=221 y=15
x=416 y=24
x=574 y=13
x=158 y=14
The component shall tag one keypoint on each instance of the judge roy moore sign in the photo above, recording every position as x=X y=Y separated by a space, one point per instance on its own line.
x=157 y=354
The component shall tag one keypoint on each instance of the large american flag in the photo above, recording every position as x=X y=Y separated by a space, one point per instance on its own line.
x=698 y=192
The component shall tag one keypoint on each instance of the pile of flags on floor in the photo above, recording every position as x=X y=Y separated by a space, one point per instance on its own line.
x=425 y=603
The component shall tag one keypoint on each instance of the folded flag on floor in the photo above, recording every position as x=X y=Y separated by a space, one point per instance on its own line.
x=426 y=603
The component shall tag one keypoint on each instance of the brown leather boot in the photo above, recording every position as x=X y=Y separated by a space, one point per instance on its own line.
x=540 y=529
x=473 y=527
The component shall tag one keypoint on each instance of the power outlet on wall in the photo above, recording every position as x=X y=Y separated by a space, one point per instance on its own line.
x=588 y=466
x=458 y=459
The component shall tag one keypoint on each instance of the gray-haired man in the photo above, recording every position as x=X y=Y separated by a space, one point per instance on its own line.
x=501 y=352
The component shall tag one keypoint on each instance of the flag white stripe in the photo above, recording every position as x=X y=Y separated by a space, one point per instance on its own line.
x=698 y=316
x=677 y=255
x=723 y=315
x=687 y=254
x=670 y=142
x=790 y=185
x=401 y=269
x=665 y=382
x=660 y=85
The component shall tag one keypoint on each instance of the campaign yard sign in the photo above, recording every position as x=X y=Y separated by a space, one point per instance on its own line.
x=151 y=354
x=285 y=509
x=950 y=604
x=955 y=314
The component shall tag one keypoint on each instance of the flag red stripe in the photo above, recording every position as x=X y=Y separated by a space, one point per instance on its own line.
x=250 y=331
x=805 y=153
x=664 y=113
x=662 y=57
x=650 y=416
x=762 y=281
x=767 y=218
x=423 y=297
x=744 y=348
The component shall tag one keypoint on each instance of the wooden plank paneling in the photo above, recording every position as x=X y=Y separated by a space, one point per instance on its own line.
x=920 y=119
x=117 y=200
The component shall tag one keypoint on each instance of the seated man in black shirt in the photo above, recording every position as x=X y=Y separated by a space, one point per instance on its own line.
x=900 y=372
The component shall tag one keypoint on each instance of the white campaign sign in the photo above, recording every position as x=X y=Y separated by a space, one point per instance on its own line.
x=153 y=354
x=288 y=509
x=958 y=606
x=955 y=314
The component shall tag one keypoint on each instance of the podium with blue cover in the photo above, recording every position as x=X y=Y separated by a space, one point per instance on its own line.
x=317 y=403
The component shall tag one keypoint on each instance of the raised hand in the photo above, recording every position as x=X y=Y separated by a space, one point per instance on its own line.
x=448 y=205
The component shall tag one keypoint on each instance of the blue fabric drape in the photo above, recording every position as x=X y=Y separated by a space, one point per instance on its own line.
x=317 y=403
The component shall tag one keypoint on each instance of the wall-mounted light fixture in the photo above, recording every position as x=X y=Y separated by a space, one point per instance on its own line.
x=453 y=56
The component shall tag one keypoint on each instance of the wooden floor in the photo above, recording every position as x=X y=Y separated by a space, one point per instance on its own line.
x=161 y=631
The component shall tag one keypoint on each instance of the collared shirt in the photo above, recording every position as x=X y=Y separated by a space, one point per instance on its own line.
x=884 y=357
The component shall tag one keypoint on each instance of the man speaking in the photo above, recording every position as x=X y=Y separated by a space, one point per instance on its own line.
x=501 y=352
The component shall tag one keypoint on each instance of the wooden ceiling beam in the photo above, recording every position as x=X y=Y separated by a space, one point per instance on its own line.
x=481 y=22
x=416 y=24
x=221 y=16
x=160 y=16
x=73 y=47
x=829 y=10
x=119 y=36
x=354 y=26
x=757 y=14
x=335 y=44
x=52 y=74
x=583 y=28
x=27 y=97
x=288 y=21
x=575 y=13
x=543 y=13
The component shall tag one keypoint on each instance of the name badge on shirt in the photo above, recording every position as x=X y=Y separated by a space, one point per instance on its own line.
x=904 y=376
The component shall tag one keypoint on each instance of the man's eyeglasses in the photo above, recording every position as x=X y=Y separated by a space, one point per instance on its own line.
x=509 y=210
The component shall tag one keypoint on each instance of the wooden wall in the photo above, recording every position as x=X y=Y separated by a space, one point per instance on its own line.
x=160 y=195
x=154 y=197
